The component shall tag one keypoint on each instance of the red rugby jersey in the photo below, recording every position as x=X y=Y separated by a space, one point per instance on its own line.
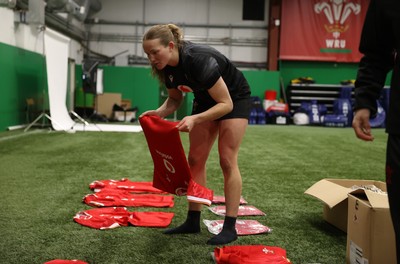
x=171 y=169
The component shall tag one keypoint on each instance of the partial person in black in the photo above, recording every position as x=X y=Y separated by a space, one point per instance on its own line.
x=221 y=109
x=380 y=45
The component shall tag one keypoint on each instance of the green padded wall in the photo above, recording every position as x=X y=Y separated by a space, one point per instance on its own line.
x=262 y=80
x=137 y=84
x=23 y=75
x=134 y=83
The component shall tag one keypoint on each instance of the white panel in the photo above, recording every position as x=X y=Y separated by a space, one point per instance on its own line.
x=99 y=81
x=56 y=49
x=57 y=71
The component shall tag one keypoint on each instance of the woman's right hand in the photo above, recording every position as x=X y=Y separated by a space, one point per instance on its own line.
x=149 y=112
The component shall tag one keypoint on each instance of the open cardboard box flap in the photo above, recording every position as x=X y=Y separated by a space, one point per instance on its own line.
x=376 y=200
x=334 y=191
x=328 y=192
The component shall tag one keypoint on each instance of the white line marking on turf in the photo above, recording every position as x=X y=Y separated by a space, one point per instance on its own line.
x=20 y=135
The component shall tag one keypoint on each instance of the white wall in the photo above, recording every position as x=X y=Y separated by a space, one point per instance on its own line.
x=29 y=36
x=209 y=13
x=20 y=35
x=182 y=12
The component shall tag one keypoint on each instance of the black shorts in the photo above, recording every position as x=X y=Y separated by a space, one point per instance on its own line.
x=241 y=109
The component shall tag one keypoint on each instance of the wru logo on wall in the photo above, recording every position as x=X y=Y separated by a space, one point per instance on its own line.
x=336 y=12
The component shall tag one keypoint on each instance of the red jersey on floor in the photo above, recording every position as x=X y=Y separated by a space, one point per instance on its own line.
x=250 y=255
x=62 y=261
x=112 y=217
x=151 y=219
x=125 y=198
x=171 y=170
x=103 y=218
x=125 y=185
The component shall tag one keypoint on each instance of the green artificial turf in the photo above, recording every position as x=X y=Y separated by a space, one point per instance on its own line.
x=44 y=176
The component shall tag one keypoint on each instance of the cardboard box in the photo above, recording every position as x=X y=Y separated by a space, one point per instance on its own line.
x=334 y=193
x=363 y=214
x=370 y=233
x=105 y=103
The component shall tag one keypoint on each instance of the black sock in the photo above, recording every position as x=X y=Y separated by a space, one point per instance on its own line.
x=228 y=233
x=190 y=226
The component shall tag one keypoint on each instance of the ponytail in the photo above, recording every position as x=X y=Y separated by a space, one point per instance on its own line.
x=177 y=33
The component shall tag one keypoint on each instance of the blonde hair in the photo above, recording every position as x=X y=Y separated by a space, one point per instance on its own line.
x=166 y=33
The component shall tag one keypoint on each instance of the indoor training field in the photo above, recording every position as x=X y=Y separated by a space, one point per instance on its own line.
x=45 y=174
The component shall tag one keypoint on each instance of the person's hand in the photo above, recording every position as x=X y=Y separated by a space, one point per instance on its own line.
x=362 y=126
x=186 y=124
x=149 y=112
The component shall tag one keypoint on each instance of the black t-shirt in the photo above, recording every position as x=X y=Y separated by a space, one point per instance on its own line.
x=380 y=41
x=199 y=69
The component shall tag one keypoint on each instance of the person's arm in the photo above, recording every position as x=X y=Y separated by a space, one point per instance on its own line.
x=219 y=92
x=376 y=45
x=170 y=105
